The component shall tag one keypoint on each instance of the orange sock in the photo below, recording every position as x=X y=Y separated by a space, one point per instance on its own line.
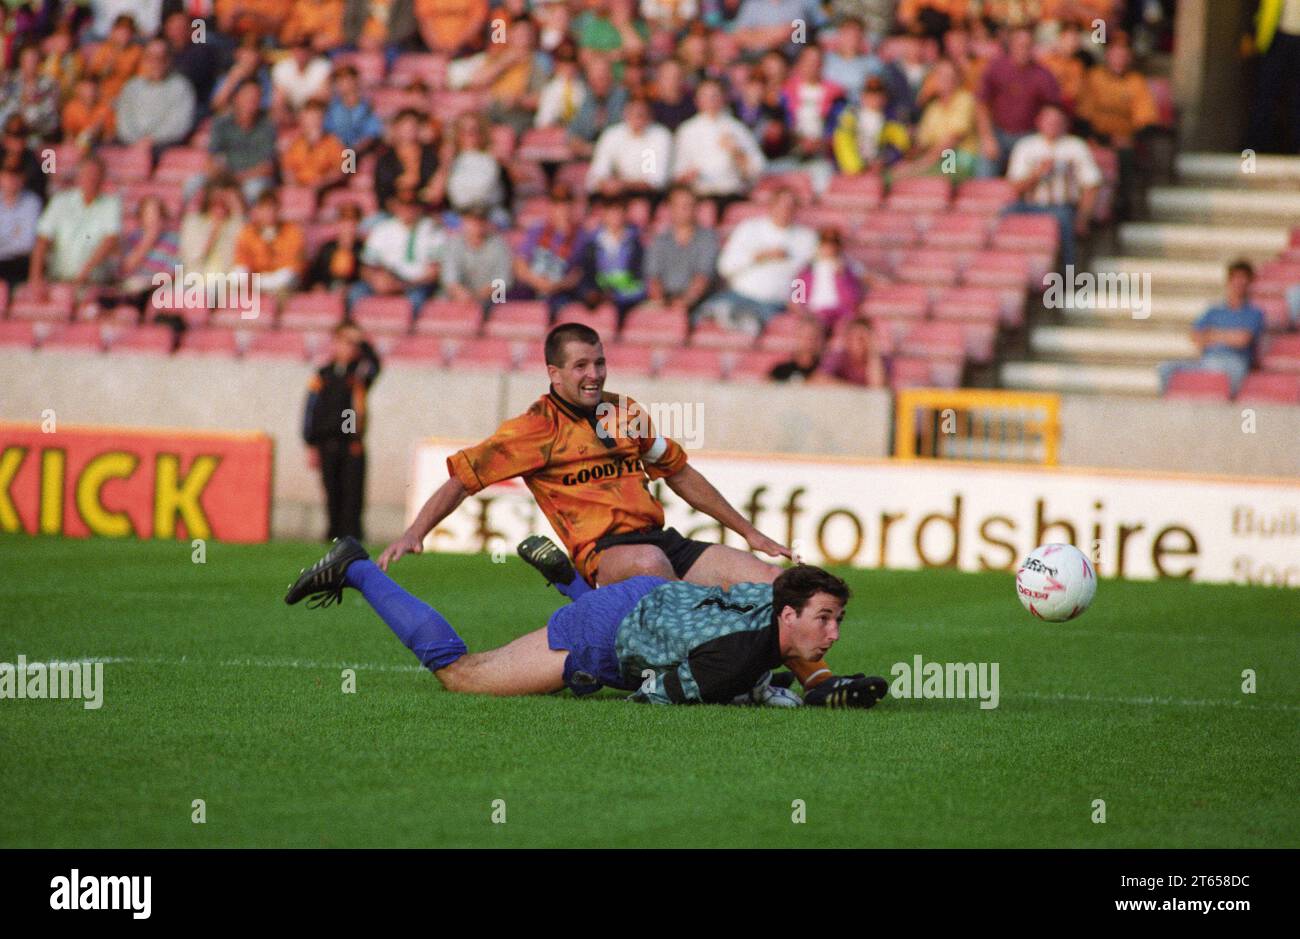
x=809 y=673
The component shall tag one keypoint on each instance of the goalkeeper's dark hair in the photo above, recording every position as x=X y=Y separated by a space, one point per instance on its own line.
x=795 y=586
x=567 y=332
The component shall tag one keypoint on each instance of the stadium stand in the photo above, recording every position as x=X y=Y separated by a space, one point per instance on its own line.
x=949 y=265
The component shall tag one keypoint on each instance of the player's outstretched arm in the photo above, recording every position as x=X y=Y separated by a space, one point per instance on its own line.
x=441 y=504
x=700 y=494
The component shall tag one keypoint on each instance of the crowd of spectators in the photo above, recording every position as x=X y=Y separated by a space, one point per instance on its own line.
x=377 y=147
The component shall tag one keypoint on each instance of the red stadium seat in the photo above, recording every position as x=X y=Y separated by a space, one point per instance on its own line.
x=449 y=105
x=632 y=359
x=17 y=333
x=956 y=231
x=999 y=269
x=440 y=317
x=886 y=229
x=287 y=344
x=909 y=301
x=154 y=340
x=711 y=335
x=84 y=336
x=1283 y=354
x=1270 y=388
x=920 y=194
x=655 y=326
x=314 y=309
x=391 y=315
x=822 y=215
x=297 y=203
x=525 y=320
x=757 y=365
x=907 y=372
x=974 y=304
x=934 y=340
x=781 y=335
x=485 y=353
x=178 y=164
x=57 y=306
x=603 y=319
x=984 y=196
x=929 y=266
x=424 y=67
x=858 y=193
x=420 y=350
x=544 y=145
x=693 y=363
x=573 y=175
x=1021 y=232
x=1199 y=386
x=127 y=164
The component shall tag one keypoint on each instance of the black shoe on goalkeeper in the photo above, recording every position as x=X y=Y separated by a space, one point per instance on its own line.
x=847 y=691
x=545 y=555
x=323 y=581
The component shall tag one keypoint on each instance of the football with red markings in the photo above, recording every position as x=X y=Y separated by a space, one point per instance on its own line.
x=1056 y=582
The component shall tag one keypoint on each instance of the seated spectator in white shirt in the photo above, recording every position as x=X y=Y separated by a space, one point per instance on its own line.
x=156 y=107
x=299 y=77
x=759 y=263
x=77 y=233
x=714 y=153
x=401 y=254
x=631 y=157
x=1054 y=174
x=476 y=262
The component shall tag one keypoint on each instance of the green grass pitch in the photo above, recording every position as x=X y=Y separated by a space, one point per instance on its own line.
x=214 y=690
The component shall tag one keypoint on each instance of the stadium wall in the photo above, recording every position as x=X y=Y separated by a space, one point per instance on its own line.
x=409 y=404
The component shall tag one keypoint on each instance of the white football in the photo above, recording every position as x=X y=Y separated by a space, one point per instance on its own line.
x=1056 y=582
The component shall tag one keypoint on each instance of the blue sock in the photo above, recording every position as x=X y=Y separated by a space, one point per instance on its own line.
x=574 y=588
x=421 y=628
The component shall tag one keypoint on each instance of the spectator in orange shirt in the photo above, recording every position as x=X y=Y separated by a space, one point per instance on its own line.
x=87 y=118
x=452 y=27
x=1068 y=64
x=314 y=158
x=260 y=18
x=269 y=247
x=1117 y=105
x=319 y=22
x=117 y=59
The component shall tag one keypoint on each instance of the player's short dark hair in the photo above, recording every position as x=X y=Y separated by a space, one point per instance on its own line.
x=1241 y=264
x=795 y=586
x=567 y=332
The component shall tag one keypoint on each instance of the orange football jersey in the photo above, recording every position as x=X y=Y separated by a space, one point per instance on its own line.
x=588 y=484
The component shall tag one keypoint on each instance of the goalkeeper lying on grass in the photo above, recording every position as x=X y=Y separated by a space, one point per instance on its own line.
x=669 y=641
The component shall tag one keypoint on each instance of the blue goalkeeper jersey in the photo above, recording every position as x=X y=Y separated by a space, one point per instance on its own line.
x=684 y=643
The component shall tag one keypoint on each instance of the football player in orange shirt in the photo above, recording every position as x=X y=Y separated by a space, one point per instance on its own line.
x=589 y=468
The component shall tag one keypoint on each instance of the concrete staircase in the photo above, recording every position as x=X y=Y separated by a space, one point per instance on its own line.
x=1214 y=214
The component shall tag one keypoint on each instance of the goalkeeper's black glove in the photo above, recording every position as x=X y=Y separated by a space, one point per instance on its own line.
x=847 y=691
